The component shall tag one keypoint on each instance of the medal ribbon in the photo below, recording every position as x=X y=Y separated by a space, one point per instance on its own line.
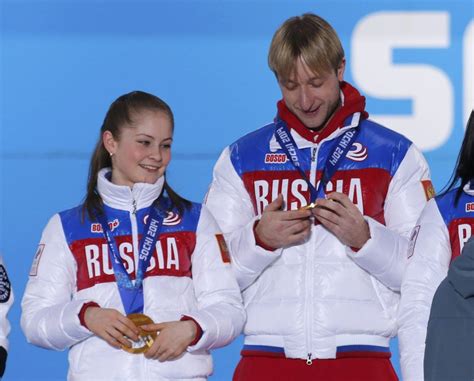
x=338 y=152
x=132 y=293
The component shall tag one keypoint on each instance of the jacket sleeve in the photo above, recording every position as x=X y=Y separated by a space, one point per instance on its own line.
x=429 y=257
x=49 y=316
x=6 y=301
x=220 y=311
x=384 y=254
x=230 y=204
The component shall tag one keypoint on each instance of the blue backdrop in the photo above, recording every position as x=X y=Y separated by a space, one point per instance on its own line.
x=64 y=62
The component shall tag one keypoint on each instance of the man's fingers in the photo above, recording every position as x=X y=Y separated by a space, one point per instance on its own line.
x=330 y=205
x=322 y=213
x=299 y=226
x=342 y=199
x=300 y=214
x=275 y=204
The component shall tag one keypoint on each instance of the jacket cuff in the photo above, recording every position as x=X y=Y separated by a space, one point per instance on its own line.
x=198 y=332
x=83 y=310
x=258 y=241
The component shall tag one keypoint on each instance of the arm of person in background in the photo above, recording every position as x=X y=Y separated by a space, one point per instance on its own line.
x=429 y=257
x=6 y=301
x=50 y=318
x=381 y=249
x=219 y=314
x=254 y=242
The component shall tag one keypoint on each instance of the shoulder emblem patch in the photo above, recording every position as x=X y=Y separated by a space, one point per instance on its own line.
x=223 y=248
x=429 y=189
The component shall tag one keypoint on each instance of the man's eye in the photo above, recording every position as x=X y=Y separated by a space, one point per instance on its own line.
x=290 y=86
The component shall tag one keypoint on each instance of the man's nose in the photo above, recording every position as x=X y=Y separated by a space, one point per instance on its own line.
x=304 y=98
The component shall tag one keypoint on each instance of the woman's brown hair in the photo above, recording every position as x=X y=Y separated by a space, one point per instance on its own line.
x=119 y=116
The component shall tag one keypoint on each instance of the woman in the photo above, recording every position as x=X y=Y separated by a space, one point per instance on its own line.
x=134 y=269
x=443 y=229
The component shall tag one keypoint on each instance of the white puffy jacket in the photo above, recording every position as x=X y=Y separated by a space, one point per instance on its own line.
x=188 y=275
x=439 y=236
x=318 y=297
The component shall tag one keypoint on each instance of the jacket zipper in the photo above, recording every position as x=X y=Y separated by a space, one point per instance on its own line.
x=309 y=271
x=312 y=172
x=133 y=221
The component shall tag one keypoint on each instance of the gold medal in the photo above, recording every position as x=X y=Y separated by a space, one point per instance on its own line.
x=145 y=338
x=309 y=206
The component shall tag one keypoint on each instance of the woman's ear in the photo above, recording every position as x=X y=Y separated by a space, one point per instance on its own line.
x=109 y=142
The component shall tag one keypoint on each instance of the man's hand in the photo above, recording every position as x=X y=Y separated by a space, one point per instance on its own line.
x=111 y=325
x=278 y=228
x=342 y=218
x=172 y=340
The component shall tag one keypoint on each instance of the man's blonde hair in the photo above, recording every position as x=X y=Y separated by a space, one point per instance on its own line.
x=309 y=37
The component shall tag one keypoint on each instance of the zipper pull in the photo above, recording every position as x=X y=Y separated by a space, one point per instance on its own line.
x=134 y=203
x=308 y=360
x=313 y=154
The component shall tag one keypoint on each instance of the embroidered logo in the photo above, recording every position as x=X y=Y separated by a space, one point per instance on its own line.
x=275 y=158
x=357 y=152
x=469 y=206
x=171 y=219
x=36 y=260
x=5 y=286
x=97 y=228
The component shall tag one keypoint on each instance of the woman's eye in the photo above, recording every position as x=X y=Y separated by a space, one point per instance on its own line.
x=166 y=146
x=144 y=142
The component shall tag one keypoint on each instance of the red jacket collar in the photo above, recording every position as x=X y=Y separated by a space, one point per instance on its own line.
x=353 y=102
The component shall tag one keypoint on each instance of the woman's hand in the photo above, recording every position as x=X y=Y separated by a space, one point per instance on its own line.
x=111 y=325
x=172 y=339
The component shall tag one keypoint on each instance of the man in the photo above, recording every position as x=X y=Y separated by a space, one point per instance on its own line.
x=317 y=207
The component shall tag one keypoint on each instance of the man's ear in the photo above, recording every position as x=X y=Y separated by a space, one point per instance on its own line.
x=341 y=69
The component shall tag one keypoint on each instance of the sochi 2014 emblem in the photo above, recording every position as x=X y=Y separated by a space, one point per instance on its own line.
x=358 y=152
x=171 y=219
x=5 y=286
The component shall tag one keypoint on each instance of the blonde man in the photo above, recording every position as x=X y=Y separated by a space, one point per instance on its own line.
x=316 y=207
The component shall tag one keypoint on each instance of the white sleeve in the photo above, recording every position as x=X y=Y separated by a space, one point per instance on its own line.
x=430 y=255
x=230 y=204
x=49 y=316
x=384 y=254
x=220 y=311
x=6 y=301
